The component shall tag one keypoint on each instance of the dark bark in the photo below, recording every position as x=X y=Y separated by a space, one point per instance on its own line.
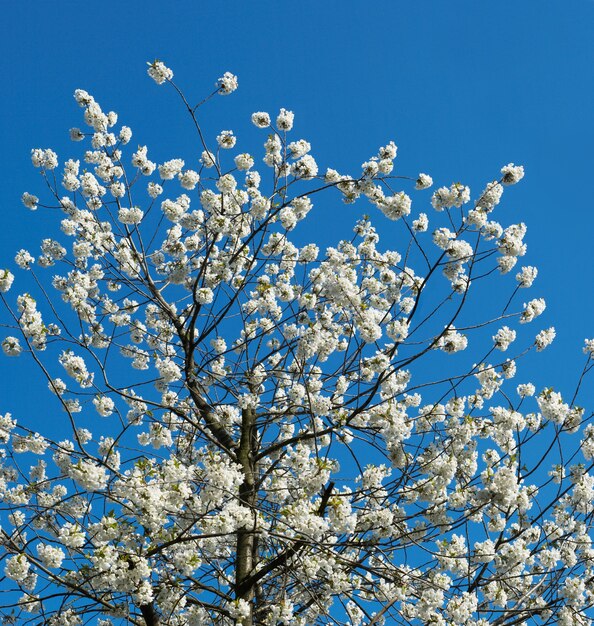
x=149 y=614
x=245 y=557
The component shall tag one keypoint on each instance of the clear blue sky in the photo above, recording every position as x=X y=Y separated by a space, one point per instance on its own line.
x=463 y=87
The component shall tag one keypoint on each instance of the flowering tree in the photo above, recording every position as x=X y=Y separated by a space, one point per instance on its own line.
x=260 y=432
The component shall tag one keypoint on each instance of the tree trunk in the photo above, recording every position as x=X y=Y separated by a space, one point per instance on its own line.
x=245 y=556
x=149 y=614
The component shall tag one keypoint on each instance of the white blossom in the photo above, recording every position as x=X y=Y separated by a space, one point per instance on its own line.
x=130 y=216
x=424 y=181
x=227 y=84
x=261 y=119
x=532 y=309
x=512 y=174
x=544 y=338
x=188 y=179
x=17 y=567
x=50 y=556
x=30 y=201
x=6 y=280
x=284 y=120
x=104 y=405
x=526 y=276
x=504 y=337
x=159 y=72
x=12 y=346
x=421 y=223
x=45 y=159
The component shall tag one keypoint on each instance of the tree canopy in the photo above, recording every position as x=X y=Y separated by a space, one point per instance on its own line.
x=258 y=431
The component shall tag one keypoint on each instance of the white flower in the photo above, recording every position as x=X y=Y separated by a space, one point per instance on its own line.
x=288 y=218
x=76 y=134
x=173 y=211
x=188 y=179
x=504 y=337
x=104 y=405
x=90 y=186
x=460 y=608
x=385 y=166
x=88 y=475
x=284 y=120
x=227 y=84
x=49 y=555
x=305 y=168
x=299 y=148
x=117 y=189
x=125 y=134
x=309 y=253
x=130 y=216
x=526 y=276
x=7 y=424
x=238 y=610
x=170 y=169
x=478 y=217
x=154 y=190
x=525 y=390
x=83 y=98
x=388 y=152
x=57 y=386
x=261 y=119
x=30 y=201
x=226 y=139
x=227 y=183
x=544 y=338
x=509 y=368
x=244 y=162
x=207 y=159
x=512 y=174
x=76 y=368
x=421 y=223
x=573 y=590
x=45 y=159
x=370 y=169
x=452 y=341
x=168 y=370
x=455 y=196
x=159 y=72
x=442 y=237
x=588 y=442
x=396 y=206
x=218 y=344
x=11 y=346
x=407 y=304
x=71 y=535
x=204 y=295
x=6 y=280
x=506 y=263
x=552 y=406
x=17 y=568
x=484 y=551
x=459 y=250
x=589 y=347
x=533 y=420
x=533 y=309
x=424 y=181
x=490 y=197
x=140 y=160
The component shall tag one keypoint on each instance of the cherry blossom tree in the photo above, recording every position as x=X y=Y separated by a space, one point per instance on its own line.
x=258 y=431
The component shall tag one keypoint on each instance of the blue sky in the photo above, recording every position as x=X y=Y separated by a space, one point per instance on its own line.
x=462 y=87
